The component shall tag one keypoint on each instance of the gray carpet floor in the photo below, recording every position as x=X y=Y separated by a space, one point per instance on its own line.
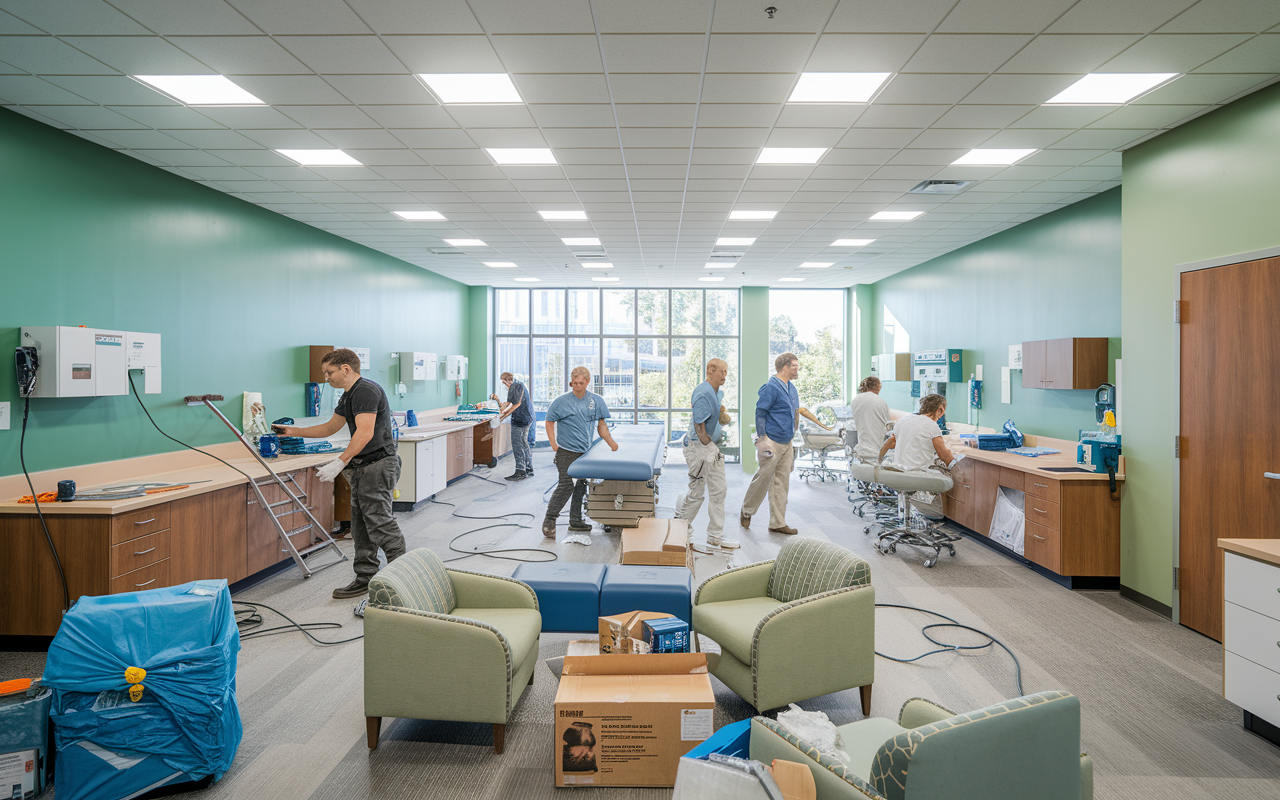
x=1154 y=719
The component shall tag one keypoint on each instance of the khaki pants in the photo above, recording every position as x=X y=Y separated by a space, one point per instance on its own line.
x=773 y=477
x=706 y=473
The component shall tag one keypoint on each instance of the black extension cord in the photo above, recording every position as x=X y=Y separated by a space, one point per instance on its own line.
x=494 y=552
x=249 y=621
x=944 y=647
x=172 y=439
x=35 y=498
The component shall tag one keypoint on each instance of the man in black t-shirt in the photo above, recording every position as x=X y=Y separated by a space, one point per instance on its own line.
x=369 y=462
x=518 y=408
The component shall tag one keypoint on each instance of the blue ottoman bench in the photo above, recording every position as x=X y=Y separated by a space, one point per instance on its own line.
x=643 y=588
x=568 y=594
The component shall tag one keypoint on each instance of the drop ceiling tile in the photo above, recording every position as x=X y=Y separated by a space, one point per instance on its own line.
x=804 y=137
x=861 y=156
x=510 y=137
x=548 y=16
x=644 y=53
x=573 y=116
x=286 y=17
x=737 y=115
x=562 y=88
x=1026 y=138
x=657 y=16
x=655 y=88
x=42 y=55
x=416 y=16
x=901 y=116
x=655 y=115
x=297 y=139
x=656 y=137
x=1029 y=89
x=730 y=137
x=1172 y=52
x=1146 y=117
x=85 y=16
x=738 y=88
x=88 y=117
x=167 y=117
x=896 y=178
x=979 y=116
x=581 y=137
x=590 y=156
x=928 y=89
x=841 y=52
x=802 y=115
x=655 y=155
x=1020 y=172
x=183 y=158
x=1068 y=54
x=999 y=16
x=241 y=55
x=933 y=137
x=549 y=54
x=1201 y=89
x=249 y=117
x=1062 y=117
x=846 y=173
x=279 y=90
x=432 y=54
x=918 y=17
x=10 y=24
x=1100 y=139
x=947 y=53
x=917 y=156
x=497 y=116
x=138 y=55
x=1226 y=16
x=410 y=116
x=364 y=139
x=259 y=157
x=209 y=139
x=772 y=52
x=167 y=18
x=113 y=90
x=343 y=54
x=137 y=139
x=317 y=117
x=1260 y=54
x=30 y=90
x=724 y=155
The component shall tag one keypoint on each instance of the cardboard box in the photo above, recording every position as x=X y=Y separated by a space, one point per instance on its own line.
x=658 y=543
x=625 y=720
x=622 y=633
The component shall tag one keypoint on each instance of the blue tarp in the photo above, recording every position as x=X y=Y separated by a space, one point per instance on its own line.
x=185 y=637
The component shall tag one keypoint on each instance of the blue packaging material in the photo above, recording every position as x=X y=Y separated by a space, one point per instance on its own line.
x=666 y=635
x=313 y=399
x=411 y=419
x=731 y=740
x=24 y=734
x=269 y=445
x=185 y=726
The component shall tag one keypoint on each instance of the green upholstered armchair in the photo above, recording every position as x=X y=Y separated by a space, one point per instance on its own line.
x=1027 y=748
x=445 y=644
x=797 y=627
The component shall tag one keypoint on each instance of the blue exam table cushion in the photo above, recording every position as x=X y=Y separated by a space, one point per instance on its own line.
x=568 y=594
x=643 y=588
x=641 y=451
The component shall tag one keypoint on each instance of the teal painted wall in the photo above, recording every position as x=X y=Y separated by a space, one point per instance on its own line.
x=754 y=358
x=93 y=237
x=864 y=296
x=1201 y=191
x=1055 y=276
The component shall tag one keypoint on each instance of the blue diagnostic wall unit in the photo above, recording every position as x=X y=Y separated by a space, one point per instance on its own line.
x=942 y=366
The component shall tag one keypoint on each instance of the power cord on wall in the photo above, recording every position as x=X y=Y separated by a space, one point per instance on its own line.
x=944 y=647
x=172 y=439
x=22 y=459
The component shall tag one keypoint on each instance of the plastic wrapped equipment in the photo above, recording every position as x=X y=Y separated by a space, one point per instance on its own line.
x=815 y=728
x=24 y=741
x=144 y=690
x=1008 y=522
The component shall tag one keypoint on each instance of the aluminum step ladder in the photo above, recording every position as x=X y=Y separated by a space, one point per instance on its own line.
x=320 y=537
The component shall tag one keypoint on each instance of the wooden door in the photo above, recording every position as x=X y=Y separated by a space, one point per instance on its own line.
x=1033 y=365
x=986 y=482
x=1058 y=362
x=1229 y=371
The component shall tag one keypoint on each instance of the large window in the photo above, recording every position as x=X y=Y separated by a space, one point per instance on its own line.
x=810 y=323
x=646 y=348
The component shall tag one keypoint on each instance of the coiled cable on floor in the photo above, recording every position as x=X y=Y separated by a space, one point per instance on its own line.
x=945 y=647
x=496 y=552
x=249 y=621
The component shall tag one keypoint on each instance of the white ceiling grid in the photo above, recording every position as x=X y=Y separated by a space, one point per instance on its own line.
x=656 y=112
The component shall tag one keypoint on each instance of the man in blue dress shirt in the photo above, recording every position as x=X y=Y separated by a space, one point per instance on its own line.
x=777 y=413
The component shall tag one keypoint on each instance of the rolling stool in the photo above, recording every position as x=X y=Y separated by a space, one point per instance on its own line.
x=668 y=590
x=925 y=534
x=568 y=594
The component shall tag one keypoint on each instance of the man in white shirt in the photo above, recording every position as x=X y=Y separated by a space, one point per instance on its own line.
x=870 y=414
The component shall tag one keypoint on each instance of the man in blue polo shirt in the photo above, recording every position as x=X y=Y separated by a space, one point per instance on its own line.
x=570 y=419
x=704 y=459
x=777 y=412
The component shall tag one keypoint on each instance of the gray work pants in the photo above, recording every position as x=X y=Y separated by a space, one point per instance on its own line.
x=520 y=447
x=373 y=526
x=774 y=478
x=706 y=474
x=566 y=488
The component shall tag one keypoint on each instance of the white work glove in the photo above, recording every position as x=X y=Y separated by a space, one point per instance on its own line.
x=327 y=472
x=764 y=448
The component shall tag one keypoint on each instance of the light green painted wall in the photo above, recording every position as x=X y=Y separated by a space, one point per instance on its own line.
x=1055 y=276
x=93 y=237
x=754 y=359
x=864 y=296
x=1204 y=190
x=480 y=377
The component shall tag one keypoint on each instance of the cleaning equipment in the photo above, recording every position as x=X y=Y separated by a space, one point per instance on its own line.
x=1010 y=438
x=144 y=691
x=1100 y=450
x=25 y=766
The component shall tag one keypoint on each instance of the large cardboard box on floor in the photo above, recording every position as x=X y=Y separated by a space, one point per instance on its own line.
x=658 y=542
x=625 y=720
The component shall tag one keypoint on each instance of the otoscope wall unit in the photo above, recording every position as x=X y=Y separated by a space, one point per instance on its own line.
x=91 y=362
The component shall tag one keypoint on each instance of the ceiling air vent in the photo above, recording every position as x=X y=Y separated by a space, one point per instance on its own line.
x=590 y=256
x=939 y=187
x=726 y=255
x=446 y=251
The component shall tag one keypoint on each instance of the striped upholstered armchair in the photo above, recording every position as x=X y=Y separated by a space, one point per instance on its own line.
x=800 y=626
x=446 y=644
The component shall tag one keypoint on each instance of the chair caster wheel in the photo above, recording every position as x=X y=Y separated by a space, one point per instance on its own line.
x=953 y=552
x=931 y=562
x=867 y=530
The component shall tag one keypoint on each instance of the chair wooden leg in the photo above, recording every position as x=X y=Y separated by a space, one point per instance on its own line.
x=374 y=727
x=531 y=677
x=866 y=699
x=499 y=732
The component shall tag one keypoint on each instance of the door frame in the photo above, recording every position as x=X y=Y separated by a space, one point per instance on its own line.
x=1192 y=266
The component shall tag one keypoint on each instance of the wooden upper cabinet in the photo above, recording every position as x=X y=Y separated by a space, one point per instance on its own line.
x=1064 y=363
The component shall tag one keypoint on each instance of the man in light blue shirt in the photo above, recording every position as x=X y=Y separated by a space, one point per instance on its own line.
x=703 y=457
x=777 y=413
x=569 y=422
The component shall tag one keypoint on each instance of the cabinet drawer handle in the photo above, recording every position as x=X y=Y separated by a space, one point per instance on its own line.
x=1041 y=485
x=1041 y=538
x=144 y=552
x=140 y=585
x=1039 y=510
x=145 y=521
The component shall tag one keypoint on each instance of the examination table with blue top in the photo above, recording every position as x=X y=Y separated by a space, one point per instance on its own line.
x=623 y=486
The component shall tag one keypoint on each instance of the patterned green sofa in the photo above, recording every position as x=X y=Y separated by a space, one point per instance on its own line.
x=445 y=644
x=800 y=626
x=1027 y=748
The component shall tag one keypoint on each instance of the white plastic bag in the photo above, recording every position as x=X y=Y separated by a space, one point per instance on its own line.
x=1009 y=520
x=816 y=729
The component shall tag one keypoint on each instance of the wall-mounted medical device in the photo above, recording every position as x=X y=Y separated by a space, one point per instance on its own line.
x=418 y=366
x=456 y=368
x=91 y=362
x=941 y=366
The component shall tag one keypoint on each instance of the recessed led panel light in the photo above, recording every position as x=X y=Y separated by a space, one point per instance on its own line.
x=837 y=87
x=989 y=157
x=730 y=241
x=789 y=280
x=581 y=241
x=321 y=158
x=563 y=214
x=527 y=280
x=716 y=265
x=605 y=279
x=521 y=155
x=752 y=214
x=790 y=155
x=465 y=243
x=471 y=87
x=200 y=90
x=898 y=215
x=600 y=265
x=499 y=264
x=414 y=216
x=816 y=264
x=712 y=279
x=852 y=242
x=1110 y=88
